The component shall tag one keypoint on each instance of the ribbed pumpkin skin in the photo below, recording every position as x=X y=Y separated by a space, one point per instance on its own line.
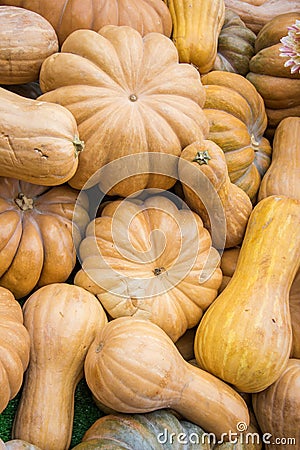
x=151 y=260
x=238 y=120
x=235 y=45
x=283 y=175
x=155 y=376
x=67 y=16
x=18 y=444
x=245 y=336
x=283 y=396
x=14 y=347
x=36 y=237
x=38 y=140
x=256 y=13
x=117 y=83
x=235 y=202
x=26 y=39
x=196 y=28
x=62 y=321
x=144 y=431
x=278 y=87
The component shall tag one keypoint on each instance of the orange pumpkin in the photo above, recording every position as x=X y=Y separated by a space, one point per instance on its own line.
x=129 y=95
x=150 y=260
x=36 y=240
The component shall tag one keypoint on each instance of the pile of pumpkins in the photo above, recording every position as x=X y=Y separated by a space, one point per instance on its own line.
x=177 y=295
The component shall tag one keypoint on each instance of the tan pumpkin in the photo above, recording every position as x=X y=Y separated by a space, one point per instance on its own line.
x=151 y=260
x=282 y=429
x=238 y=120
x=18 y=444
x=155 y=376
x=282 y=177
x=39 y=141
x=14 y=347
x=235 y=45
x=36 y=234
x=208 y=157
x=26 y=39
x=245 y=336
x=67 y=16
x=256 y=13
x=279 y=88
x=196 y=28
x=129 y=95
x=62 y=321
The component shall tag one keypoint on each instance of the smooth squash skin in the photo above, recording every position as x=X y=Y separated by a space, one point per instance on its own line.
x=196 y=28
x=283 y=175
x=134 y=367
x=283 y=396
x=245 y=337
x=62 y=321
x=39 y=141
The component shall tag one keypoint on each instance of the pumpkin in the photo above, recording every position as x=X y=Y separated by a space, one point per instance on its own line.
x=279 y=88
x=14 y=347
x=26 y=39
x=37 y=236
x=62 y=321
x=228 y=265
x=209 y=158
x=295 y=315
x=155 y=376
x=238 y=120
x=67 y=16
x=154 y=430
x=28 y=90
x=283 y=395
x=282 y=177
x=256 y=13
x=18 y=444
x=196 y=28
x=150 y=260
x=185 y=344
x=129 y=95
x=235 y=45
x=39 y=141
x=241 y=339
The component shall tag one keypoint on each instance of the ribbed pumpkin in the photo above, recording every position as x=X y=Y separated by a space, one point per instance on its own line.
x=155 y=376
x=36 y=235
x=39 y=141
x=150 y=260
x=67 y=16
x=14 y=347
x=129 y=95
x=245 y=336
x=283 y=396
x=26 y=39
x=147 y=431
x=279 y=88
x=238 y=120
x=283 y=175
x=196 y=28
x=256 y=13
x=235 y=45
x=208 y=157
x=62 y=321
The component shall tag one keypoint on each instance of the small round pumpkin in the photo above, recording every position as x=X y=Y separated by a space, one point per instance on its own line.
x=129 y=95
x=14 y=347
x=67 y=16
x=36 y=234
x=235 y=45
x=283 y=396
x=26 y=39
x=151 y=260
x=237 y=118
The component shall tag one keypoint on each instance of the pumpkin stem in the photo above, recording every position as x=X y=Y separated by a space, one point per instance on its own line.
x=78 y=144
x=133 y=97
x=23 y=202
x=254 y=142
x=158 y=271
x=202 y=157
